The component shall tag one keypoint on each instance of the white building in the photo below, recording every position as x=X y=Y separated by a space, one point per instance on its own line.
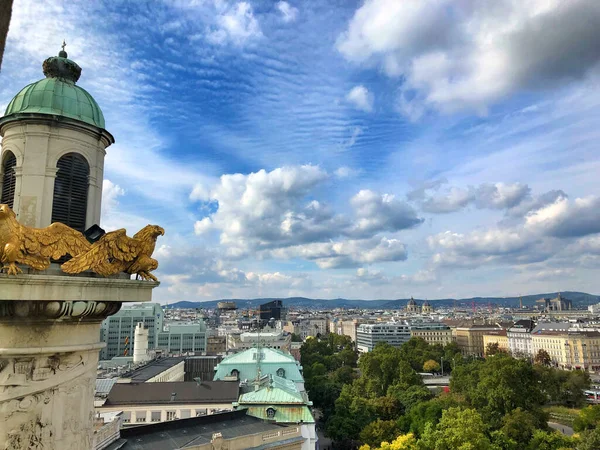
x=519 y=338
x=369 y=335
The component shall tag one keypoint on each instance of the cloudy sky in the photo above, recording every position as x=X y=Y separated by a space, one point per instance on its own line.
x=376 y=149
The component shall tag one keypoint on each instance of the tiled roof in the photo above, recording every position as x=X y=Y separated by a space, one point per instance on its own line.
x=161 y=393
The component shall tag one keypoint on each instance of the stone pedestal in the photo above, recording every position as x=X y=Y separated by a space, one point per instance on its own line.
x=49 y=344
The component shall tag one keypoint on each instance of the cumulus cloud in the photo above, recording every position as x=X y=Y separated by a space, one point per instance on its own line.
x=110 y=196
x=565 y=218
x=435 y=199
x=360 y=98
x=275 y=214
x=455 y=56
x=288 y=12
x=382 y=212
x=235 y=24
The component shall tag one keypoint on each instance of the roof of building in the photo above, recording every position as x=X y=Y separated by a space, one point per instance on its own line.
x=152 y=369
x=184 y=392
x=57 y=94
x=285 y=414
x=270 y=362
x=496 y=333
x=277 y=391
x=184 y=433
x=104 y=385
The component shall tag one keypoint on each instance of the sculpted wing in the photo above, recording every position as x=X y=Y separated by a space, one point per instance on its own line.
x=39 y=245
x=111 y=254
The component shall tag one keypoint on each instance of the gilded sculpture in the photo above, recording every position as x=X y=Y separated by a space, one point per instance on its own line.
x=116 y=252
x=113 y=253
x=35 y=247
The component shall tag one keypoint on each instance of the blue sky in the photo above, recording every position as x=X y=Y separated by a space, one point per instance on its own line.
x=376 y=149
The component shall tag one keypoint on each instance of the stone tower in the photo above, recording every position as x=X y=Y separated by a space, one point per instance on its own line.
x=51 y=170
x=53 y=149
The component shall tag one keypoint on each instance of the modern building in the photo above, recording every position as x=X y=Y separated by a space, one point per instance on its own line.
x=257 y=362
x=182 y=338
x=160 y=402
x=393 y=333
x=469 y=338
x=432 y=332
x=118 y=331
x=519 y=338
x=272 y=310
x=496 y=337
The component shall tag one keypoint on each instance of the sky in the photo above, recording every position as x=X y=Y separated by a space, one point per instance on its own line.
x=370 y=150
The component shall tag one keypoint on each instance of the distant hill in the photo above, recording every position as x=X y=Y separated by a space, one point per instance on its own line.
x=580 y=299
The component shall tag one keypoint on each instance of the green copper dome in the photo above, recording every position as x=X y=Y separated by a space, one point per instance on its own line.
x=57 y=94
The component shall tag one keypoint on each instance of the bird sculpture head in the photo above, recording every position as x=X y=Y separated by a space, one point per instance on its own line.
x=6 y=212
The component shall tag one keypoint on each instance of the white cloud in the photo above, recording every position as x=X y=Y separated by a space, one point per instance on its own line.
x=235 y=24
x=360 y=98
x=345 y=172
x=455 y=56
x=288 y=12
x=110 y=196
x=565 y=218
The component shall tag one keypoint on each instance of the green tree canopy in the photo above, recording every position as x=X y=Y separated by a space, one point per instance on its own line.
x=588 y=418
x=431 y=366
x=458 y=429
x=379 y=431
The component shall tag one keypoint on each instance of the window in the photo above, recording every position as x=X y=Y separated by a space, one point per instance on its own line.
x=185 y=414
x=155 y=416
x=126 y=416
x=171 y=415
x=8 y=179
x=271 y=413
x=281 y=373
x=71 y=191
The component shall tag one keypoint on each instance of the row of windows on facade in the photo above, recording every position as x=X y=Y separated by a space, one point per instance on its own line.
x=70 y=197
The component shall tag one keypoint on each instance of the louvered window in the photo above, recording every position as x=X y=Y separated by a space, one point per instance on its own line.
x=8 y=179
x=71 y=191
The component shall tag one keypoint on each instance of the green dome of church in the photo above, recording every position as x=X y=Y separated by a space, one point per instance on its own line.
x=57 y=94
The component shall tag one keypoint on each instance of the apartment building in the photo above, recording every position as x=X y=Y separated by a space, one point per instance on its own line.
x=369 y=335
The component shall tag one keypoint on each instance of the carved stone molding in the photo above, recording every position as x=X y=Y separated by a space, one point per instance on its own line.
x=63 y=310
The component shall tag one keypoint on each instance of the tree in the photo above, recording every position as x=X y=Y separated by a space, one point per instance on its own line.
x=542 y=357
x=588 y=418
x=409 y=396
x=402 y=442
x=427 y=412
x=589 y=440
x=490 y=387
x=296 y=337
x=550 y=440
x=520 y=425
x=431 y=366
x=458 y=429
x=379 y=431
x=493 y=348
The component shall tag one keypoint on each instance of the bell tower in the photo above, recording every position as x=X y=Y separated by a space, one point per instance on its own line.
x=51 y=170
x=53 y=149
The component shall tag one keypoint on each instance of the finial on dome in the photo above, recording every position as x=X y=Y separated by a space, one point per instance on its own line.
x=63 y=53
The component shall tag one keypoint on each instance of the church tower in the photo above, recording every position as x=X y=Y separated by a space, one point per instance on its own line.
x=53 y=148
x=51 y=170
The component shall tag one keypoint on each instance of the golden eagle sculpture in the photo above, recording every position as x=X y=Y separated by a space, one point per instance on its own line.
x=35 y=247
x=116 y=252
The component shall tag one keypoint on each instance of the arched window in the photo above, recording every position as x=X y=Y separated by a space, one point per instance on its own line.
x=271 y=413
x=8 y=179
x=235 y=373
x=281 y=373
x=71 y=191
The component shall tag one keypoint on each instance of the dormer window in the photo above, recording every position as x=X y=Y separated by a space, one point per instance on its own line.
x=235 y=373
x=281 y=373
x=271 y=413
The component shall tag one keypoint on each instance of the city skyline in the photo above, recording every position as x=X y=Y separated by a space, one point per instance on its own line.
x=298 y=149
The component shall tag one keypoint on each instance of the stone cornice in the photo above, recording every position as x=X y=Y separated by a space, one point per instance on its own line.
x=36 y=287
x=57 y=310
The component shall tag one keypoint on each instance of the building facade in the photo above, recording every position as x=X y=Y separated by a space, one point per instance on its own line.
x=432 y=332
x=569 y=350
x=182 y=338
x=393 y=333
x=519 y=338
x=470 y=338
x=496 y=337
